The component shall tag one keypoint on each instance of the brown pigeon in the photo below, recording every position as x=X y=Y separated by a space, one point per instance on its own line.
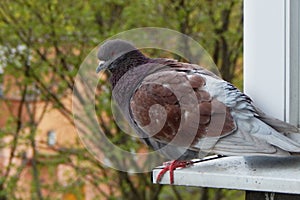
x=183 y=110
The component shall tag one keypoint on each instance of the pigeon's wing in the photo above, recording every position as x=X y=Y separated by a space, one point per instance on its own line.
x=172 y=106
x=253 y=135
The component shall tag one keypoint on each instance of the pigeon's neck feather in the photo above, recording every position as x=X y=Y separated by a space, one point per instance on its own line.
x=125 y=63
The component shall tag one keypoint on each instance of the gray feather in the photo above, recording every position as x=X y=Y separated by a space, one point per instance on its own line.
x=278 y=125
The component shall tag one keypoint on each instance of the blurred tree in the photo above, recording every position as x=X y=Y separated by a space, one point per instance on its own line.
x=44 y=44
x=217 y=25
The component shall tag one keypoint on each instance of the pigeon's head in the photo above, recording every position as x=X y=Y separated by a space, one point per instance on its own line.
x=110 y=51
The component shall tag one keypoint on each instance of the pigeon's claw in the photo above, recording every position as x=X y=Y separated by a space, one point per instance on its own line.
x=171 y=166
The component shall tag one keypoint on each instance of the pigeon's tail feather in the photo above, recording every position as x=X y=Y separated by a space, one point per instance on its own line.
x=275 y=138
x=254 y=137
x=278 y=129
x=282 y=142
x=277 y=124
x=243 y=143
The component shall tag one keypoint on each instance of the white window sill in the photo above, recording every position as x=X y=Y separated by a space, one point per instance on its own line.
x=268 y=174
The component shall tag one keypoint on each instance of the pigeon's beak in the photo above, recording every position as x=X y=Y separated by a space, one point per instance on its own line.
x=101 y=66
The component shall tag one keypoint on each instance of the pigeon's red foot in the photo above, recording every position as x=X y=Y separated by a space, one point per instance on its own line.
x=171 y=166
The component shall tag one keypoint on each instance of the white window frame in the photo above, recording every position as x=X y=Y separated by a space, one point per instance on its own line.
x=271 y=56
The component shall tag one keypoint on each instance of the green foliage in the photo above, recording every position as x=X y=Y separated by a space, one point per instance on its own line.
x=42 y=44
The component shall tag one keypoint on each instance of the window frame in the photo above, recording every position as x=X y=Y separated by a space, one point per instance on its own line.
x=271 y=57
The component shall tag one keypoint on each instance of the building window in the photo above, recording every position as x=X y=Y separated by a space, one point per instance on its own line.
x=51 y=138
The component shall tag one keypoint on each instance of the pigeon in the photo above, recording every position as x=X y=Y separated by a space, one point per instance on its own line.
x=183 y=110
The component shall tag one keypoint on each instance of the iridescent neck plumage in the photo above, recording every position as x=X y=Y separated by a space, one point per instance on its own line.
x=124 y=63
